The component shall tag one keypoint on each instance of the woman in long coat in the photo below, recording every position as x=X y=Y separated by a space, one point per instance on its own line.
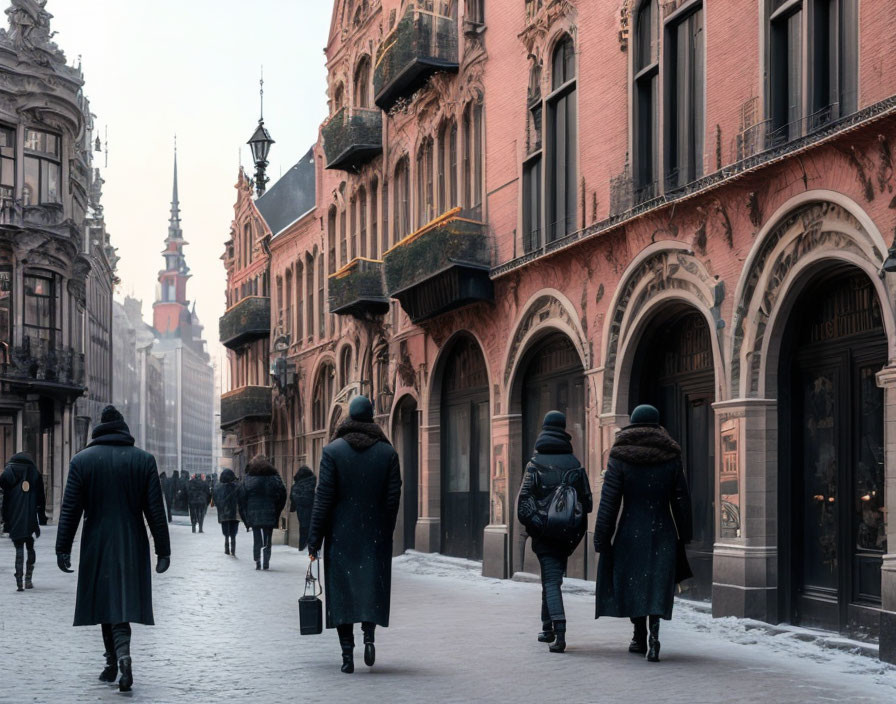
x=23 y=512
x=226 y=500
x=358 y=493
x=552 y=464
x=261 y=497
x=640 y=566
x=301 y=499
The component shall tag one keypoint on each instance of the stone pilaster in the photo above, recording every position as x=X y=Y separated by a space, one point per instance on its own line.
x=886 y=379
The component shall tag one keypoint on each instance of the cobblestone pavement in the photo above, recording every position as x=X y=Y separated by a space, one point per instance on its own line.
x=228 y=633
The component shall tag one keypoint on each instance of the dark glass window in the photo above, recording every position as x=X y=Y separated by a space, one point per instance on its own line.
x=362 y=221
x=343 y=244
x=402 y=200
x=561 y=147
x=42 y=307
x=425 y=206
x=321 y=297
x=362 y=84
x=533 y=167
x=684 y=89
x=6 y=309
x=645 y=132
x=7 y=162
x=43 y=168
x=331 y=238
x=374 y=220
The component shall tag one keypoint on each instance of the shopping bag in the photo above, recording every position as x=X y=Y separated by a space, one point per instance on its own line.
x=311 y=608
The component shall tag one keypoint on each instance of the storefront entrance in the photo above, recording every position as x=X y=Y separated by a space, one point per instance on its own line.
x=673 y=371
x=833 y=533
x=406 y=439
x=466 y=451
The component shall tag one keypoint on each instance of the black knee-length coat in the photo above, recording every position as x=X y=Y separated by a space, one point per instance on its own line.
x=226 y=497
x=115 y=486
x=358 y=493
x=640 y=565
x=23 y=497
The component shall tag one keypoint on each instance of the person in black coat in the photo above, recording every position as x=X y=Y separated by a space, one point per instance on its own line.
x=261 y=497
x=23 y=512
x=358 y=493
x=642 y=558
x=226 y=500
x=166 y=493
x=115 y=486
x=301 y=500
x=181 y=498
x=552 y=463
x=199 y=495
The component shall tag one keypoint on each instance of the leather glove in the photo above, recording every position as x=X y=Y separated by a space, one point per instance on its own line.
x=312 y=553
x=64 y=561
x=162 y=564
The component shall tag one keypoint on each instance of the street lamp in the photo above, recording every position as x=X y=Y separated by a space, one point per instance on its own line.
x=260 y=143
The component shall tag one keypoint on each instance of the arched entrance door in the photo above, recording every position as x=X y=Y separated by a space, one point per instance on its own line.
x=466 y=451
x=406 y=434
x=832 y=527
x=553 y=378
x=673 y=370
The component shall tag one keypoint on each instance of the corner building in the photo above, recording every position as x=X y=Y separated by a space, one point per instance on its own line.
x=525 y=205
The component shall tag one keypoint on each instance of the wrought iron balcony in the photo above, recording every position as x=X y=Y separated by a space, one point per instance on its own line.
x=248 y=320
x=352 y=137
x=441 y=267
x=358 y=289
x=246 y=403
x=421 y=44
x=40 y=365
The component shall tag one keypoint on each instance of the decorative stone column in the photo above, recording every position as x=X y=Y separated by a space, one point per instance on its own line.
x=428 y=533
x=506 y=434
x=886 y=379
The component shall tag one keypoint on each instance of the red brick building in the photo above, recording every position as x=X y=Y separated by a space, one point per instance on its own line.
x=525 y=205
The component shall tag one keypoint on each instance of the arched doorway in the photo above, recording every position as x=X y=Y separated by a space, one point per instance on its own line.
x=406 y=436
x=466 y=450
x=673 y=370
x=832 y=533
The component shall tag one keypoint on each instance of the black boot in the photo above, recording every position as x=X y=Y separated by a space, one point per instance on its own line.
x=194 y=527
x=653 y=641
x=559 y=645
x=547 y=632
x=29 y=573
x=127 y=676
x=20 y=565
x=639 y=637
x=111 y=671
x=258 y=564
x=19 y=586
x=348 y=654
x=226 y=546
x=233 y=546
x=369 y=649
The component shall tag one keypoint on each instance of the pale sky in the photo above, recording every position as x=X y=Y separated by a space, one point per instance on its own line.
x=154 y=68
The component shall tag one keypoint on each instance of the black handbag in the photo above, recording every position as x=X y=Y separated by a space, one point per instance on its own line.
x=311 y=608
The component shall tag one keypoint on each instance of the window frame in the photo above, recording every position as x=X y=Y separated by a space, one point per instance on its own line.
x=45 y=160
x=561 y=101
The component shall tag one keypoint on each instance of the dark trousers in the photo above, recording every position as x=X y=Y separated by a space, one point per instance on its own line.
x=21 y=546
x=553 y=567
x=230 y=529
x=197 y=514
x=346 y=633
x=640 y=623
x=261 y=538
x=117 y=640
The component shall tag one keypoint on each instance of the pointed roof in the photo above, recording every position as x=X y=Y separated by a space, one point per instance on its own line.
x=174 y=230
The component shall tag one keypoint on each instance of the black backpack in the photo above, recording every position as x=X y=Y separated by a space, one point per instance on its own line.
x=561 y=511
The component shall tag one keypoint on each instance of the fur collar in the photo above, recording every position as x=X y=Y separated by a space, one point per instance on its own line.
x=645 y=445
x=360 y=435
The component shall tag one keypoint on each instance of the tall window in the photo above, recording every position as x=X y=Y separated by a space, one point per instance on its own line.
x=473 y=158
x=309 y=288
x=343 y=244
x=338 y=98
x=402 y=188
x=42 y=307
x=684 y=95
x=286 y=302
x=425 y=205
x=322 y=397
x=345 y=366
x=299 y=322
x=374 y=220
x=321 y=297
x=43 y=168
x=7 y=162
x=476 y=11
x=532 y=167
x=6 y=309
x=646 y=68
x=353 y=231
x=385 y=217
x=362 y=220
x=362 y=83
x=331 y=238
x=561 y=153
x=447 y=166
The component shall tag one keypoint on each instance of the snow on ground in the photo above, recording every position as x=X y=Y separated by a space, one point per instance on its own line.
x=228 y=633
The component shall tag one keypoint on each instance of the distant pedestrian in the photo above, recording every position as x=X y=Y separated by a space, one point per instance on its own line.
x=181 y=499
x=116 y=487
x=642 y=558
x=167 y=493
x=23 y=512
x=301 y=499
x=199 y=495
x=262 y=497
x=358 y=494
x=226 y=500
x=553 y=465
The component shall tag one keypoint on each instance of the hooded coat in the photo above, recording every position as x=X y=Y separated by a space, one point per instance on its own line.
x=301 y=497
x=261 y=495
x=226 y=498
x=553 y=458
x=358 y=494
x=115 y=486
x=641 y=557
x=198 y=492
x=23 y=497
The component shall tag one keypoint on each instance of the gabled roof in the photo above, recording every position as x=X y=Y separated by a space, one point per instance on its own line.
x=291 y=197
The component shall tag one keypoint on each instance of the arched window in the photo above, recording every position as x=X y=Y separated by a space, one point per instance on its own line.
x=321 y=295
x=299 y=317
x=331 y=238
x=646 y=100
x=322 y=397
x=533 y=166
x=353 y=228
x=562 y=151
x=448 y=166
x=402 y=200
x=374 y=220
x=286 y=303
x=473 y=158
x=362 y=221
x=309 y=287
x=343 y=242
x=345 y=366
x=362 y=83
x=338 y=98
x=425 y=205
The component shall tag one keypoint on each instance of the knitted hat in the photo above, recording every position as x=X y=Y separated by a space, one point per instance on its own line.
x=554 y=420
x=645 y=414
x=361 y=410
x=110 y=414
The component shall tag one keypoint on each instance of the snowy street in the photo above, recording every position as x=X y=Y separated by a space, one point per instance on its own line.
x=228 y=633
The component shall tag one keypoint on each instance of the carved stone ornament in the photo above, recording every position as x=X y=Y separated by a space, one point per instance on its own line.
x=29 y=31
x=539 y=23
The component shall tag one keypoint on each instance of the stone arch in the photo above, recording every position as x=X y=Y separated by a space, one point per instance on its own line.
x=804 y=235
x=433 y=399
x=665 y=271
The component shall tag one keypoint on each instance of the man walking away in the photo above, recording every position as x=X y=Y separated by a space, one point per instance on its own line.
x=115 y=486
x=199 y=495
x=262 y=497
x=23 y=512
x=301 y=500
x=358 y=493
x=226 y=501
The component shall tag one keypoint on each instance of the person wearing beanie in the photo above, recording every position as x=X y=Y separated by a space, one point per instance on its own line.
x=23 y=512
x=358 y=494
x=199 y=494
x=553 y=465
x=226 y=500
x=642 y=558
x=116 y=485
x=261 y=498
x=301 y=500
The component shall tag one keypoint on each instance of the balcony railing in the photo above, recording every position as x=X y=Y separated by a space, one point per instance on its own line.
x=352 y=137
x=422 y=43
x=38 y=363
x=358 y=290
x=246 y=403
x=248 y=320
x=441 y=267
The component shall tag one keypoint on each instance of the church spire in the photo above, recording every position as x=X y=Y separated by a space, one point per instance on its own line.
x=174 y=230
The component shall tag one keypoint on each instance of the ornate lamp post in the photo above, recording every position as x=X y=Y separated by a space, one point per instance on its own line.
x=260 y=143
